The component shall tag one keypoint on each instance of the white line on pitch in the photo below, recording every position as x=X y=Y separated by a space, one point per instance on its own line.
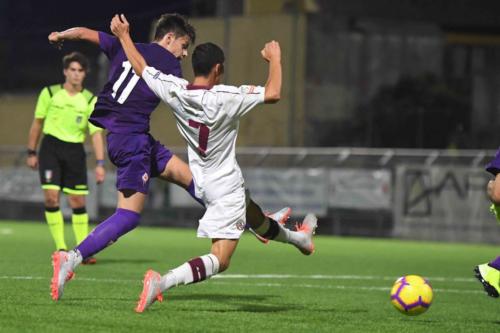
x=316 y=286
x=259 y=284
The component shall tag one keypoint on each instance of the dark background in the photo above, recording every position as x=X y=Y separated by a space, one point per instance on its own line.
x=27 y=61
x=417 y=111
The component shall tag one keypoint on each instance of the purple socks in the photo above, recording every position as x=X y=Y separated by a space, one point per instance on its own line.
x=115 y=226
x=106 y=233
x=190 y=190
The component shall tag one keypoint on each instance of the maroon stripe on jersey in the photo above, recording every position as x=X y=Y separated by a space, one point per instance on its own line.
x=198 y=269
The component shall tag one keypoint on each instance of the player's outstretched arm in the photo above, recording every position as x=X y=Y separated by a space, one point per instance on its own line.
x=77 y=33
x=120 y=28
x=272 y=54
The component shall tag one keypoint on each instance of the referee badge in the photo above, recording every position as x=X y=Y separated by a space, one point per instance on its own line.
x=48 y=176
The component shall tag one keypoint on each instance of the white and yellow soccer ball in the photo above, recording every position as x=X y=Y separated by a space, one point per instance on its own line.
x=411 y=295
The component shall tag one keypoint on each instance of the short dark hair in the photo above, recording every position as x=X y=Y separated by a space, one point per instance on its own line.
x=205 y=57
x=76 y=57
x=175 y=23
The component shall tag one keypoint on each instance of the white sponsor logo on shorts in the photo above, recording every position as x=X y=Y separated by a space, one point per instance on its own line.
x=145 y=178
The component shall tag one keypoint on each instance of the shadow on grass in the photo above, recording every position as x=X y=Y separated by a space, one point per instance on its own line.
x=334 y=310
x=219 y=297
x=237 y=303
x=82 y=301
x=110 y=261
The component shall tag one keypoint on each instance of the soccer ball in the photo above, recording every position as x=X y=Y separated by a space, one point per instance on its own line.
x=411 y=295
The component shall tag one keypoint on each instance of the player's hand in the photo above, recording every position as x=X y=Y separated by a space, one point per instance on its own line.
x=32 y=162
x=271 y=51
x=56 y=40
x=119 y=25
x=100 y=174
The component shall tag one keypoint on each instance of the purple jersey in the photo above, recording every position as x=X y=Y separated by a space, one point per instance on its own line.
x=125 y=103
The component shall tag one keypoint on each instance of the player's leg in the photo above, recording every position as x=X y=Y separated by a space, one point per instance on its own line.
x=79 y=218
x=131 y=155
x=80 y=222
x=268 y=228
x=489 y=275
x=177 y=171
x=223 y=222
x=193 y=271
x=50 y=178
x=171 y=168
x=125 y=219
x=54 y=218
x=203 y=267
x=255 y=218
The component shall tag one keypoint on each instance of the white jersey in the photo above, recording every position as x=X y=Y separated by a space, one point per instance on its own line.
x=208 y=119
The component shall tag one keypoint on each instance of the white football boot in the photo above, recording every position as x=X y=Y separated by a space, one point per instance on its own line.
x=308 y=228
x=63 y=263
x=151 y=291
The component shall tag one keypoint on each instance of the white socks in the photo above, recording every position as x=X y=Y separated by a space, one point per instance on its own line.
x=270 y=229
x=195 y=270
x=75 y=258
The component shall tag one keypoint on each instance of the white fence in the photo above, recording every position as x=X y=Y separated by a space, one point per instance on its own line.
x=413 y=194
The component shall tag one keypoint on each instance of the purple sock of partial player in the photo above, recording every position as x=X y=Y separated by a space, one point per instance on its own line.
x=496 y=263
x=190 y=190
x=106 y=233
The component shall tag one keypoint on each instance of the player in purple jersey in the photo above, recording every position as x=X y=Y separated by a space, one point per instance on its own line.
x=123 y=108
x=489 y=273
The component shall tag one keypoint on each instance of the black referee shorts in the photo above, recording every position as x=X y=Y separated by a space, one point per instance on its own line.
x=62 y=165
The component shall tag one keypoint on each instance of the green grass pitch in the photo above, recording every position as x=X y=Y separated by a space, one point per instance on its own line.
x=343 y=287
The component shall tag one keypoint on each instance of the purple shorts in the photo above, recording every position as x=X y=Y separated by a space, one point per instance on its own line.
x=138 y=158
x=494 y=166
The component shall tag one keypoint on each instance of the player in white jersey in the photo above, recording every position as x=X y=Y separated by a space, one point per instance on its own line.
x=207 y=115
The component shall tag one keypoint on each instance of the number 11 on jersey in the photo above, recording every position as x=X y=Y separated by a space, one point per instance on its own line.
x=130 y=85
x=202 y=136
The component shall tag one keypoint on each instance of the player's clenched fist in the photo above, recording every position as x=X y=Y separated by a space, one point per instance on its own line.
x=55 y=39
x=271 y=50
x=119 y=25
